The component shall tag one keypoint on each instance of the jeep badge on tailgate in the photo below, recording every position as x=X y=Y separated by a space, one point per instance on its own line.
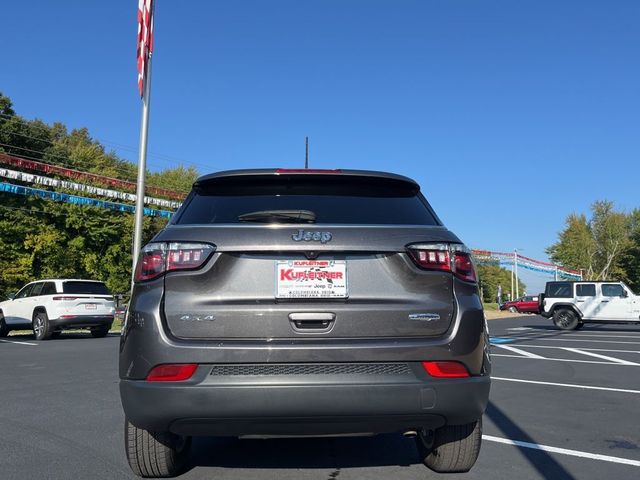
x=322 y=237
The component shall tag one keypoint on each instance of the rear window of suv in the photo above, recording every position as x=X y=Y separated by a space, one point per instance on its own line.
x=559 y=290
x=333 y=200
x=85 y=288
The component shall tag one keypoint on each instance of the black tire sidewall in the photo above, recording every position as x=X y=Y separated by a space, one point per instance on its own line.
x=100 y=332
x=565 y=319
x=46 y=331
x=4 y=330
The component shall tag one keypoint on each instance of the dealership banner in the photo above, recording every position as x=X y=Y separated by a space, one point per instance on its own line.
x=77 y=200
x=102 y=192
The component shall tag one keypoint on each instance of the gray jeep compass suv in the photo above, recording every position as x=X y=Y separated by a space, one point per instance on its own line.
x=304 y=302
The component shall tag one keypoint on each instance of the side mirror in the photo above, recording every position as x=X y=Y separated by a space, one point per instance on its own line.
x=625 y=294
x=11 y=296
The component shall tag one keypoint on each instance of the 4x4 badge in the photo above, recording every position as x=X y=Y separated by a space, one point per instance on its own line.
x=425 y=317
x=322 y=237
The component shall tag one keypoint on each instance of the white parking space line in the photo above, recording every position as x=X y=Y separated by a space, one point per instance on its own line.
x=574 y=335
x=575 y=340
x=551 y=347
x=603 y=357
x=562 y=451
x=18 y=343
x=562 y=360
x=517 y=350
x=569 y=385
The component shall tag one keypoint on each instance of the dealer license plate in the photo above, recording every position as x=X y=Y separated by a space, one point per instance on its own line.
x=311 y=279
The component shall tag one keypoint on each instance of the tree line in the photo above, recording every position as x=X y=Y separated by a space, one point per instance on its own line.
x=45 y=239
x=605 y=245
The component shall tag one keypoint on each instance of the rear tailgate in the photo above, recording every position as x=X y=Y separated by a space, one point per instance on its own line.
x=348 y=275
x=87 y=305
x=262 y=284
x=83 y=297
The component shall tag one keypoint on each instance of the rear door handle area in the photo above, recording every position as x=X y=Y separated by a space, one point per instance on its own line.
x=312 y=322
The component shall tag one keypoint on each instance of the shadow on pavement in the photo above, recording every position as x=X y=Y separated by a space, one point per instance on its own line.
x=541 y=461
x=298 y=453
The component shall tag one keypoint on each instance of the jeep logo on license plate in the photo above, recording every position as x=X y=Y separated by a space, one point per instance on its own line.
x=322 y=237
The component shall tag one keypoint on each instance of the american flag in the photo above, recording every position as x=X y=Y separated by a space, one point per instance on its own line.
x=145 y=40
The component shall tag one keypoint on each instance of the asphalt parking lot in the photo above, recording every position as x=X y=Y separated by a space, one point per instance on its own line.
x=563 y=405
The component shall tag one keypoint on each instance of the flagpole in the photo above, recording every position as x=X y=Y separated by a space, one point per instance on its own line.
x=142 y=169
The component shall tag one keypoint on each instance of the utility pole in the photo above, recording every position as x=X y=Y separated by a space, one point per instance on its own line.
x=511 y=292
x=555 y=273
x=306 y=152
x=515 y=269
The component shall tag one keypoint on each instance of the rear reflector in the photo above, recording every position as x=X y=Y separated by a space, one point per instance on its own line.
x=175 y=372
x=445 y=369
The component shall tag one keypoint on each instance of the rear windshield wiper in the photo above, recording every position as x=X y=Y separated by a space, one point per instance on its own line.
x=279 y=216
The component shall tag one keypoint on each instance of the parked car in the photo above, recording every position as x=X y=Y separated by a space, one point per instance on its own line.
x=572 y=304
x=50 y=306
x=526 y=304
x=304 y=302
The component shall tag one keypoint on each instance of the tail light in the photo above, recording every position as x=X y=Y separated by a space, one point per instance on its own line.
x=446 y=369
x=156 y=259
x=454 y=258
x=174 y=372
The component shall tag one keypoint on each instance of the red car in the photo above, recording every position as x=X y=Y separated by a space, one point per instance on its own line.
x=526 y=304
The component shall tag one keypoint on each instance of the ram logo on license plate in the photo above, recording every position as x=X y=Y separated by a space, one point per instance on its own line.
x=311 y=279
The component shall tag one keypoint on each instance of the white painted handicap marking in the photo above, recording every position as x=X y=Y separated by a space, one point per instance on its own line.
x=500 y=340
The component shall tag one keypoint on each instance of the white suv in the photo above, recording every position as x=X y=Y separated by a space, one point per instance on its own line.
x=572 y=304
x=50 y=306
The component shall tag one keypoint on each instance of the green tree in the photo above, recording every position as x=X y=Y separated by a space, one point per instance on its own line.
x=490 y=276
x=42 y=238
x=596 y=245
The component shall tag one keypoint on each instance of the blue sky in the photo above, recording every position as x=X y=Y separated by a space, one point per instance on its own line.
x=510 y=114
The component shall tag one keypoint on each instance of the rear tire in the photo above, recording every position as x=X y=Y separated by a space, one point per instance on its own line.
x=452 y=448
x=4 y=330
x=99 y=332
x=41 y=327
x=155 y=454
x=565 y=319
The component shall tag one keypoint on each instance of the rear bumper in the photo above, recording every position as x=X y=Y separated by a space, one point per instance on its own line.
x=207 y=405
x=82 y=321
